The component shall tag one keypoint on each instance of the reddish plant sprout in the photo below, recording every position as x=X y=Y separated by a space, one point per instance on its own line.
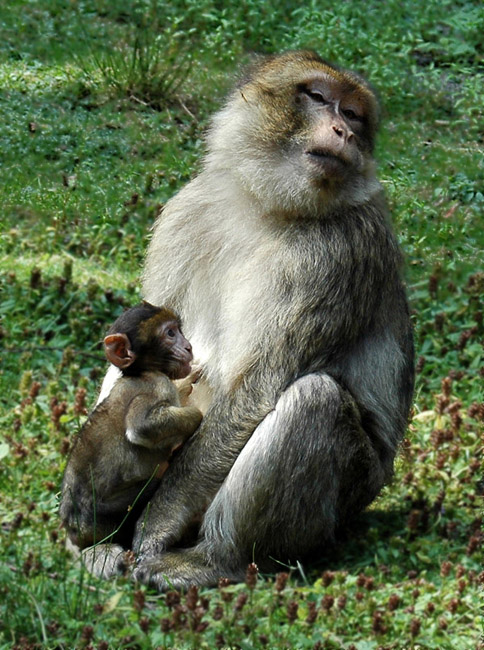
x=445 y=568
x=327 y=602
x=459 y=571
x=291 y=610
x=439 y=321
x=192 y=597
x=179 y=617
x=476 y=411
x=360 y=580
x=172 y=598
x=165 y=625
x=34 y=389
x=475 y=542
x=415 y=626
x=227 y=596
x=240 y=602
x=35 y=278
x=453 y=605
x=223 y=582
x=433 y=285
x=327 y=578
x=312 y=613
x=139 y=600
x=442 y=403
x=413 y=520
x=394 y=602
x=65 y=446
x=408 y=478
x=441 y=460
x=377 y=623
x=281 y=581
x=57 y=411
x=80 y=402
x=87 y=633
x=419 y=366
x=251 y=575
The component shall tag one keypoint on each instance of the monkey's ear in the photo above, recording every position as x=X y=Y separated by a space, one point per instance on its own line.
x=118 y=350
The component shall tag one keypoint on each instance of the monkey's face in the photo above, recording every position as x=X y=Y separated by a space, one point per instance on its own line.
x=169 y=351
x=300 y=133
x=334 y=139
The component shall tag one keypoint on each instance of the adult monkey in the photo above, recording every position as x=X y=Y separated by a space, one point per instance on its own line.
x=281 y=262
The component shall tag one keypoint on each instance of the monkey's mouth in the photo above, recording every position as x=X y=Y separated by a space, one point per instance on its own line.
x=328 y=162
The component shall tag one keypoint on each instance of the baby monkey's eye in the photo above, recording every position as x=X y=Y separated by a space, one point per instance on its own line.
x=170 y=333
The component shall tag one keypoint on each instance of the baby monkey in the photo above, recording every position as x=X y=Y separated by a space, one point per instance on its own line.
x=123 y=448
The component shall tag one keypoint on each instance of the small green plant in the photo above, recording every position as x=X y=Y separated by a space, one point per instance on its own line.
x=149 y=67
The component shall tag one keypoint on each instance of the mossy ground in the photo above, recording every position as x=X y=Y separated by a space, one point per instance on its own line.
x=103 y=109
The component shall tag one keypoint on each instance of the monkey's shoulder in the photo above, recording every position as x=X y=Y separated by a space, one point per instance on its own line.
x=152 y=384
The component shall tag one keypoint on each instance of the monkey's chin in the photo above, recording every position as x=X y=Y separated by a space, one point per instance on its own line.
x=183 y=370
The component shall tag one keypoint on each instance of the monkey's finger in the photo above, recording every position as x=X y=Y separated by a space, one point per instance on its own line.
x=196 y=373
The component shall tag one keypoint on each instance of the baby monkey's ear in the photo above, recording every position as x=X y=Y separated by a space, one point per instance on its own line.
x=118 y=350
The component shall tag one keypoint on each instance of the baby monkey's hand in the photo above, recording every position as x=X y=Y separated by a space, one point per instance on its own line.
x=185 y=386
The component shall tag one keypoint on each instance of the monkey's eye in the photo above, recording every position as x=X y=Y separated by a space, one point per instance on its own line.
x=170 y=333
x=315 y=95
x=351 y=115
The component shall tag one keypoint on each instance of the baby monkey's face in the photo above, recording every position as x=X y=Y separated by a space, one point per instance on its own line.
x=172 y=352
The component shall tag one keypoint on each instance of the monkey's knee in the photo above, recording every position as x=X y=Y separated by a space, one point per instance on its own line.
x=314 y=400
x=306 y=464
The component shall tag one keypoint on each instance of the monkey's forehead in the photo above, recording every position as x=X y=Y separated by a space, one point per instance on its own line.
x=165 y=315
x=293 y=68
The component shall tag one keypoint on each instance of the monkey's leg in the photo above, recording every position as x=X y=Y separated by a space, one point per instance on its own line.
x=307 y=466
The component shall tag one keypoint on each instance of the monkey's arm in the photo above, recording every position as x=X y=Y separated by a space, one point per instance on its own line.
x=161 y=424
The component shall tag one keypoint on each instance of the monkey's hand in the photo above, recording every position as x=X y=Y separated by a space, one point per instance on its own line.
x=185 y=386
x=149 y=547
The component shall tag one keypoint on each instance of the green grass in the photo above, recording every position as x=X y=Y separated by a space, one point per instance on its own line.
x=103 y=107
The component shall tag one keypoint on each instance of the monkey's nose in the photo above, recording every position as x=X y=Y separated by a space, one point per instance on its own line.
x=342 y=132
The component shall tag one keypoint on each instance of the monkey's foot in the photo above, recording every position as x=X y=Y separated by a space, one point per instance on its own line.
x=179 y=570
x=107 y=560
